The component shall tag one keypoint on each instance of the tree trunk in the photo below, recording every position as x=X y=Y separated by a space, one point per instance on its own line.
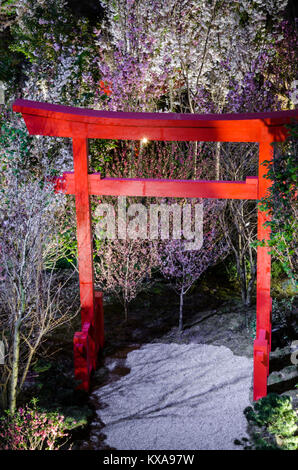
x=195 y=158
x=247 y=285
x=181 y=311
x=243 y=278
x=217 y=160
x=15 y=368
x=125 y=310
x=253 y=271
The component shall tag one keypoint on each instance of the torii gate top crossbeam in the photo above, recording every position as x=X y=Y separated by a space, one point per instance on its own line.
x=66 y=121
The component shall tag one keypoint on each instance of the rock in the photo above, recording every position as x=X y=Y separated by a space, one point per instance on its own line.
x=290 y=371
x=279 y=352
x=274 y=377
x=294 y=395
x=283 y=380
x=285 y=374
x=280 y=358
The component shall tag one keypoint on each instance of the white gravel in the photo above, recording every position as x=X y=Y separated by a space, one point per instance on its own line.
x=177 y=397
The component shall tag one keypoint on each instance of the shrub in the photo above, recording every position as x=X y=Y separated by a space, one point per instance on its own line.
x=278 y=420
x=29 y=428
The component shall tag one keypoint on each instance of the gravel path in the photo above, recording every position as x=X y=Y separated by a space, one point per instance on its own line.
x=177 y=397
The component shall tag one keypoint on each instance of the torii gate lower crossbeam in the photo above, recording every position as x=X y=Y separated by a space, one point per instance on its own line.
x=82 y=124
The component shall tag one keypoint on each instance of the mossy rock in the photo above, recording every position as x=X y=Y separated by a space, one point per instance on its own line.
x=285 y=374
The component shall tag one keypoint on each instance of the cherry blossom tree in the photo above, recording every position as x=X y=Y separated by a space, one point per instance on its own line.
x=124 y=268
x=182 y=266
x=185 y=52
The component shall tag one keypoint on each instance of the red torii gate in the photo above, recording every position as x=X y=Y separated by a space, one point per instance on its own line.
x=81 y=124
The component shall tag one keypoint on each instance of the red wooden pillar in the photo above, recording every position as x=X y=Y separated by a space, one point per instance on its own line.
x=87 y=341
x=262 y=344
x=84 y=234
x=82 y=362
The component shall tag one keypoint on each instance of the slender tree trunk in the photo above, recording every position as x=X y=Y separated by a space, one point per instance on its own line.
x=171 y=96
x=181 y=311
x=15 y=367
x=243 y=277
x=125 y=310
x=195 y=158
x=253 y=271
x=28 y=363
x=217 y=160
x=240 y=266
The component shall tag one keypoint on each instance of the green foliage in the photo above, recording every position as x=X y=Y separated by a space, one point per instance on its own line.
x=277 y=270
x=278 y=420
x=10 y=62
x=231 y=270
x=43 y=26
x=281 y=203
x=16 y=146
x=67 y=238
x=58 y=50
x=253 y=328
x=41 y=366
x=8 y=7
x=100 y=151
